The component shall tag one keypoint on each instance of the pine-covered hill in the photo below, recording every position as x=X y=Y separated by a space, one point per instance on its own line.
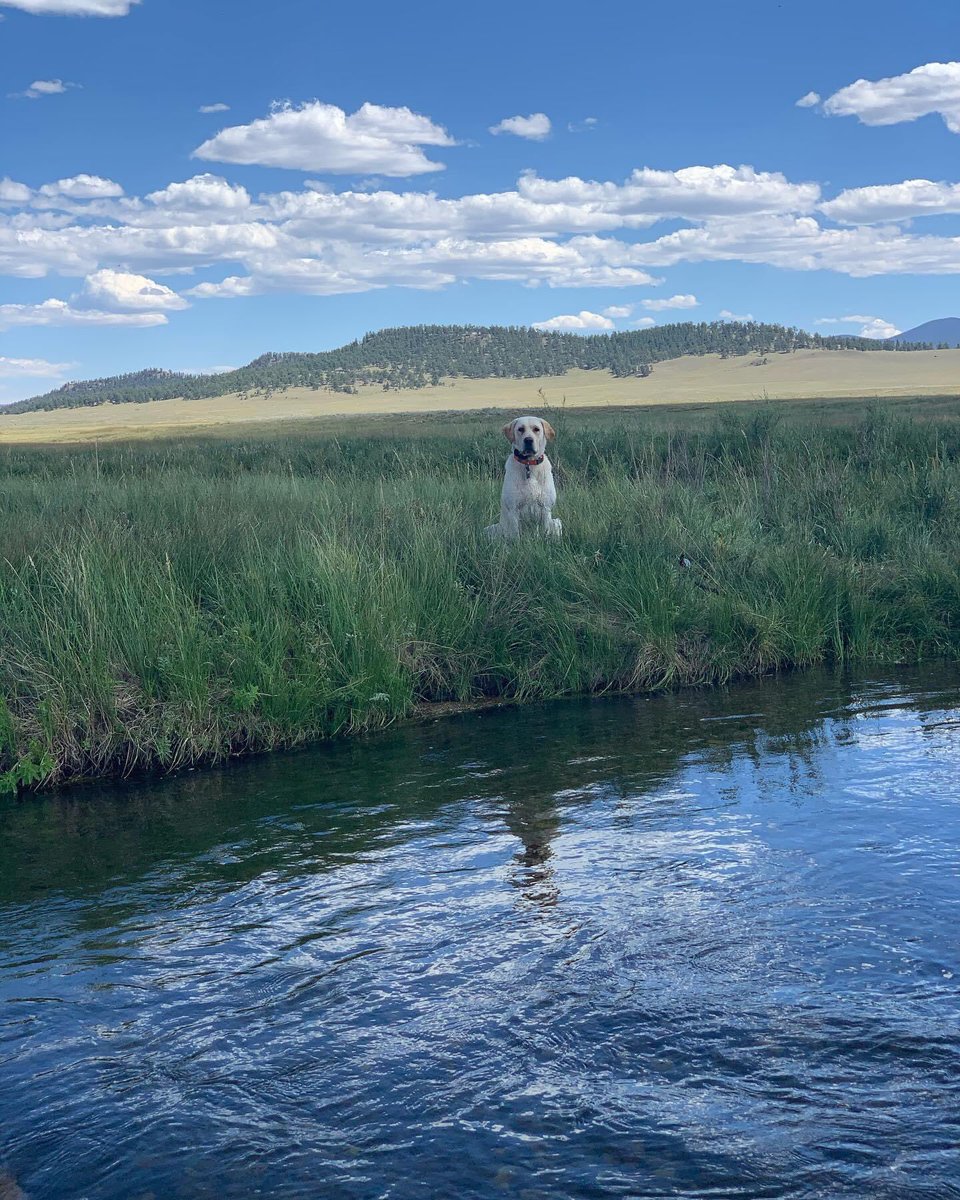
x=416 y=355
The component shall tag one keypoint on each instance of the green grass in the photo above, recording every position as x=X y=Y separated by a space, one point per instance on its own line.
x=171 y=604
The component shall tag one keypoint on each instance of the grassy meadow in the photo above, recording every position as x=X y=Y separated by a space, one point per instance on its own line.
x=170 y=603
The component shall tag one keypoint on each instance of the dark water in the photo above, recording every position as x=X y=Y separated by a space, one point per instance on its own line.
x=699 y=946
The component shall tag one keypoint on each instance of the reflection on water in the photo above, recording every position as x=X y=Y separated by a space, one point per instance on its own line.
x=701 y=945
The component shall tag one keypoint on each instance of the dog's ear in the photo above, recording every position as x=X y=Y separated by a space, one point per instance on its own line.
x=507 y=430
x=549 y=431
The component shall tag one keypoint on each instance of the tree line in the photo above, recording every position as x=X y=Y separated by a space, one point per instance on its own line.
x=415 y=356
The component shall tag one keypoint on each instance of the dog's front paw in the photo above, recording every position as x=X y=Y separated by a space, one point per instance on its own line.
x=556 y=527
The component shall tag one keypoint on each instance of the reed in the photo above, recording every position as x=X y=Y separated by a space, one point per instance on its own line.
x=165 y=605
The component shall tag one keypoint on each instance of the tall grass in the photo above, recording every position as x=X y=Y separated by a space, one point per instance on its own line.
x=164 y=605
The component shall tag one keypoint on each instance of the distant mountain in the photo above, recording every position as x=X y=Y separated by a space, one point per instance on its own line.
x=416 y=355
x=945 y=332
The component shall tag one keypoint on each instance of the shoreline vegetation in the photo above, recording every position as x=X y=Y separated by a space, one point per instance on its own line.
x=169 y=604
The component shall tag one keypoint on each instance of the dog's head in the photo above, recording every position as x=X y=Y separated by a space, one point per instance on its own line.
x=528 y=435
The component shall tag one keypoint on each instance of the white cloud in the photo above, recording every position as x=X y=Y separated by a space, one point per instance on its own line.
x=693 y=192
x=73 y=8
x=59 y=312
x=643 y=322
x=810 y=100
x=82 y=187
x=121 y=291
x=340 y=266
x=545 y=233
x=221 y=369
x=322 y=137
x=44 y=87
x=871 y=327
x=227 y=289
x=37 y=368
x=879 y=328
x=618 y=310
x=726 y=315
x=201 y=193
x=576 y=322
x=893 y=202
x=12 y=192
x=535 y=128
x=213 y=108
x=853 y=319
x=47 y=87
x=678 y=301
x=583 y=126
x=801 y=243
x=931 y=88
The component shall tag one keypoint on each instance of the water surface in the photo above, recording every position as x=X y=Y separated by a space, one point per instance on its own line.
x=693 y=946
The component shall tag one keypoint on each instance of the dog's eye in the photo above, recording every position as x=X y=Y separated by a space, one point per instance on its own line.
x=536 y=429
x=521 y=429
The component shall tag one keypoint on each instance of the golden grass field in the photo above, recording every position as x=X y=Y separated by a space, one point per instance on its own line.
x=805 y=374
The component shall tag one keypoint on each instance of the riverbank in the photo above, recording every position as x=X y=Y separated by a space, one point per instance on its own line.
x=172 y=604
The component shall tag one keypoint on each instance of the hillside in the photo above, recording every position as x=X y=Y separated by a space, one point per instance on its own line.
x=819 y=376
x=421 y=355
x=942 y=333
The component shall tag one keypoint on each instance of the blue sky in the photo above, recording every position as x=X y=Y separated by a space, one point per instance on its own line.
x=137 y=230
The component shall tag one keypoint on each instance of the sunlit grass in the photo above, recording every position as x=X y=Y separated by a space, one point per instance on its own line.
x=169 y=604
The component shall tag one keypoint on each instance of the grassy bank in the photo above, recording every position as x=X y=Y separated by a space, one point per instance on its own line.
x=169 y=604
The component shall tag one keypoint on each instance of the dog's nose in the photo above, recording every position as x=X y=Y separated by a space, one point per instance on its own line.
x=528 y=443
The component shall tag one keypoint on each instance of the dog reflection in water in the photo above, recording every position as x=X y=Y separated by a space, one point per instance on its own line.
x=10 y=1189
x=534 y=821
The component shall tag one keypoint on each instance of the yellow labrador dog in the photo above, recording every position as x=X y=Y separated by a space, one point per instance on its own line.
x=529 y=493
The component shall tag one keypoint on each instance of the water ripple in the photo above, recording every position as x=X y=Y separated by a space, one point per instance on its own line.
x=706 y=949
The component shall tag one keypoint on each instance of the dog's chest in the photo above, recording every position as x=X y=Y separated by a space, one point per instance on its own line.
x=530 y=487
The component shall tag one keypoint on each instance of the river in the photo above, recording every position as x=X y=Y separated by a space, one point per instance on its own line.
x=699 y=945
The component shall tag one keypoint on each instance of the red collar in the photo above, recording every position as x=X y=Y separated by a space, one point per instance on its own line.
x=528 y=460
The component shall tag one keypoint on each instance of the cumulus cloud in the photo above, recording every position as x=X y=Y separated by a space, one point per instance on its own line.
x=122 y=291
x=678 y=301
x=535 y=128
x=12 y=192
x=546 y=233
x=878 y=328
x=801 y=243
x=213 y=108
x=226 y=289
x=618 y=310
x=82 y=187
x=580 y=322
x=893 y=202
x=44 y=87
x=810 y=100
x=73 y=8
x=37 y=368
x=871 y=327
x=726 y=315
x=931 y=88
x=201 y=193
x=108 y=297
x=322 y=137
x=340 y=266
x=60 y=312
x=643 y=322
x=693 y=192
